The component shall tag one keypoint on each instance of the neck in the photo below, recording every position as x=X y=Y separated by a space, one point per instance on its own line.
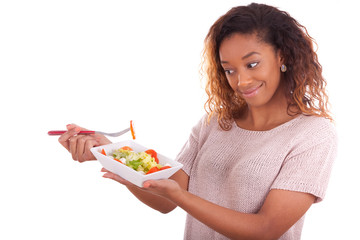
x=266 y=117
x=261 y=121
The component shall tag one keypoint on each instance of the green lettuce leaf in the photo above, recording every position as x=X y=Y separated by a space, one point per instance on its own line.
x=135 y=164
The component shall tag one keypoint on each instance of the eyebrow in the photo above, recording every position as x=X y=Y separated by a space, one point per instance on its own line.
x=244 y=57
x=249 y=55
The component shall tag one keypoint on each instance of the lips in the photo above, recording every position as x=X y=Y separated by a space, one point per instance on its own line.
x=251 y=92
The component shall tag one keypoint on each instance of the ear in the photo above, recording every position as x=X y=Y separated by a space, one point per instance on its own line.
x=280 y=58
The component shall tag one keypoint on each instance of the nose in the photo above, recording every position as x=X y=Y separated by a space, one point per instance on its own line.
x=243 y=79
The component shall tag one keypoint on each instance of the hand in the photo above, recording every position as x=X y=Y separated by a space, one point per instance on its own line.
x=153 y=193
x=79 y=145
x=167 y=188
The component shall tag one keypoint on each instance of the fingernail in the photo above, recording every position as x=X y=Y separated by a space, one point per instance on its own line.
x=77 y=129
x=69 y=126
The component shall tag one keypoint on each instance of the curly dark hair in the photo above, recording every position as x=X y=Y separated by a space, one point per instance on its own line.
x=304 y=83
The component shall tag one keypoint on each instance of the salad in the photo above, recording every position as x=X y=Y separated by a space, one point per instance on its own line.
x=144 y=162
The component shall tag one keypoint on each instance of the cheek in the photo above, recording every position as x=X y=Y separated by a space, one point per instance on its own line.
x=231 y=82
x=275 y=80
x=271 y=76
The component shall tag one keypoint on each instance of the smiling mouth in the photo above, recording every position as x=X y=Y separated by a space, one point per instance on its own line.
x=251 y=92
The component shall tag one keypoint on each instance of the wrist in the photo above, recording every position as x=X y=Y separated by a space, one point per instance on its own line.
x=178 y=197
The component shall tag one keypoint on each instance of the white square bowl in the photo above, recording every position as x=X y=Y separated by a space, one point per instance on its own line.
x=128 y=173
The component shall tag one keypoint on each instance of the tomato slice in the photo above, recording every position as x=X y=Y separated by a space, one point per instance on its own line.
x=118 y=160
x=127 y=148
x=103 y=152
x=132 y=129
x=165 y=167
x=152 y=153
x=152 y=170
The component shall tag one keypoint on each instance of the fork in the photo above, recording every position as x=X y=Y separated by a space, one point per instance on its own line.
x=115 y=134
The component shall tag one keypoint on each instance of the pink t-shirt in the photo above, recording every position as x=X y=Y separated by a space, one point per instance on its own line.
x=236 y=169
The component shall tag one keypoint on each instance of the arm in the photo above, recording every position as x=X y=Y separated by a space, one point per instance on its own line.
x=79 y=147
x=279 y=212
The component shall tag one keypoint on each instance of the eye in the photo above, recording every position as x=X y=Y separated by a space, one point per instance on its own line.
x=228 y=71
x=252 y=65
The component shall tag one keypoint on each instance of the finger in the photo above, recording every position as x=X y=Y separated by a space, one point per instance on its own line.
x=156 y=185
x=150 y=184
x=72 y=126
x=116 y=178
x=90 y=143
x=84 y=143
x=64 y=138
x=73 y=145
x=80 y=145
x=102 y=139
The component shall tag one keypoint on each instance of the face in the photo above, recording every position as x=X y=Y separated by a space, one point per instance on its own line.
x=252 y=68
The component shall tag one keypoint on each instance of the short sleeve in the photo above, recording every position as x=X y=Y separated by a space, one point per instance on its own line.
x=189 y=151
x=308 y=169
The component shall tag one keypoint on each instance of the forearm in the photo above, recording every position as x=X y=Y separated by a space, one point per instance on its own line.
x=233 y=224
x=281 y=210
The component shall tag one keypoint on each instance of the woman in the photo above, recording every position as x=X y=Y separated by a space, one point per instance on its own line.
x=263 y=154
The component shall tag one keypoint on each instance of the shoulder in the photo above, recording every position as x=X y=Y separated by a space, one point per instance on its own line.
x=207 y=122
x=205 y=127
x=310 y=131
x=316 y=127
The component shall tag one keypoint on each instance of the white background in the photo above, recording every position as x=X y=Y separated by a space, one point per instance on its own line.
x=102 y=63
